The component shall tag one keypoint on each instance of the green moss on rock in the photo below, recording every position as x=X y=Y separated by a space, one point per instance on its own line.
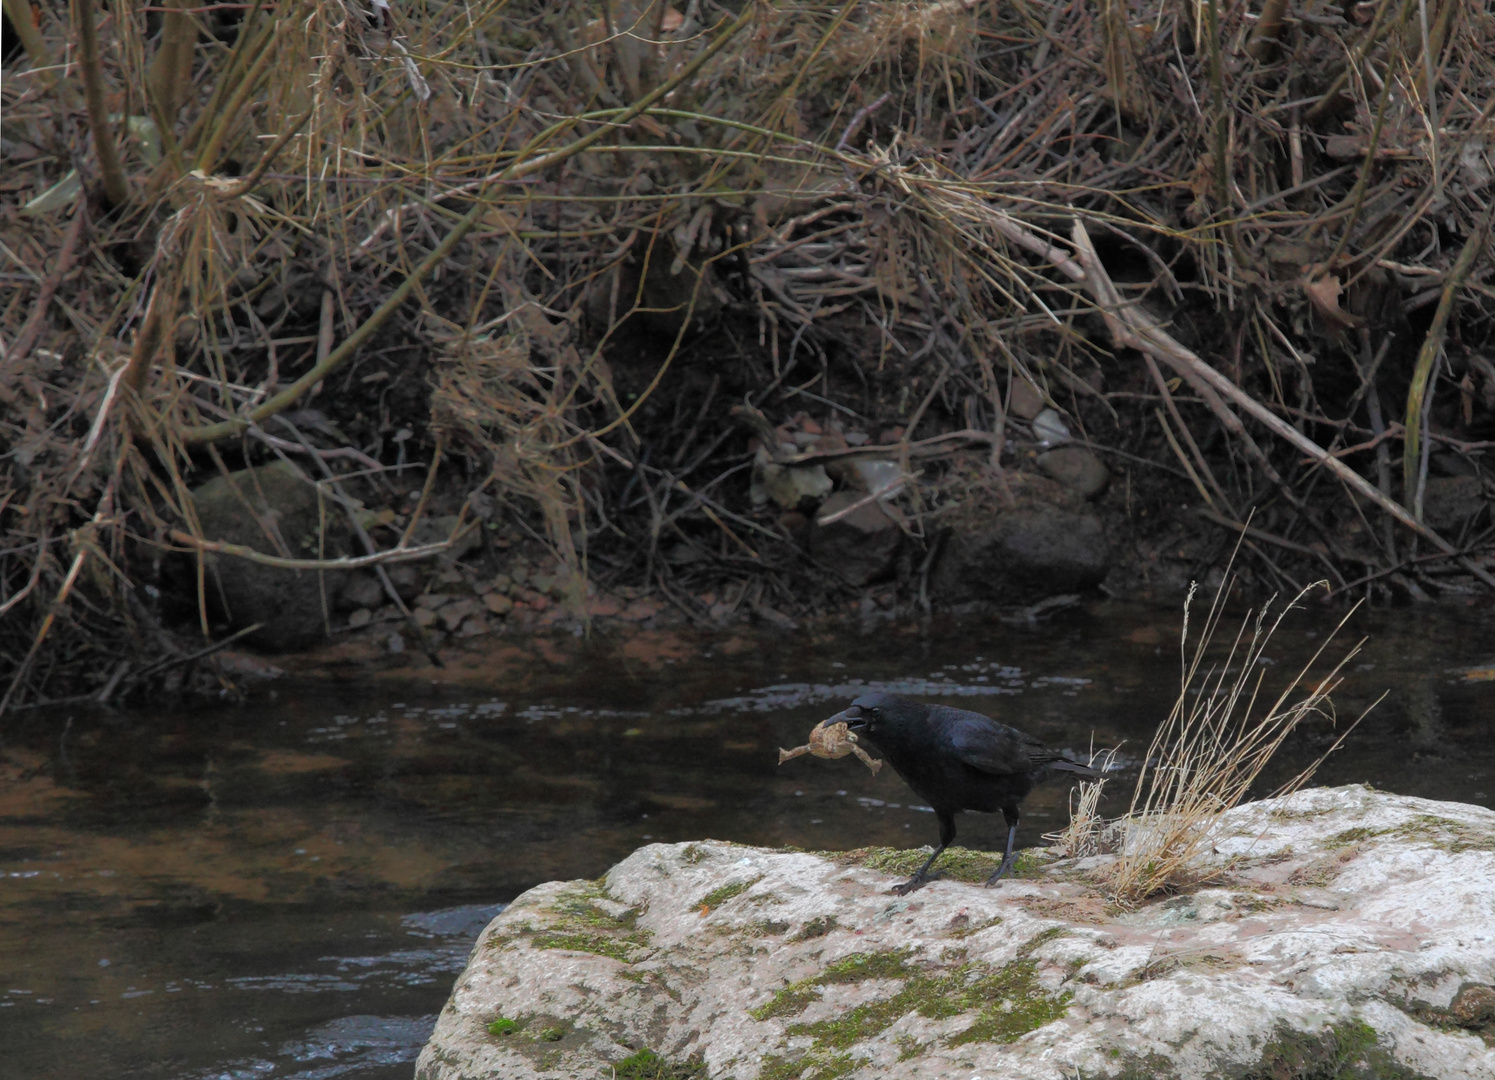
x=717 y=897
x=819 y=926
x=1005 y=1004
x=958 y=863
x=626 y=949
x=647 y=1065
x=580 y=924
x=1345 y=1051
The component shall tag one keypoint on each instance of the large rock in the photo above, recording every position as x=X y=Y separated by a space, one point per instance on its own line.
x=274 y=511
x=1347 y=933
x=1018 y=552
x=861 y=545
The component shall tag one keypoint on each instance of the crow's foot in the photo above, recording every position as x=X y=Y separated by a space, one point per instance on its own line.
x=913 y=884
x=1001 y=871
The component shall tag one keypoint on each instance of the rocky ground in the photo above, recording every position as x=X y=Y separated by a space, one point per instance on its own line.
x=1342 y=932
x=1009 y=540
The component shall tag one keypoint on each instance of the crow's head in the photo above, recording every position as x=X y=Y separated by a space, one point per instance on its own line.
x=872 y=713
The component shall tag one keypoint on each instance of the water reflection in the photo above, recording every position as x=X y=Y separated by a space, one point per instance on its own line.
x=227 y=892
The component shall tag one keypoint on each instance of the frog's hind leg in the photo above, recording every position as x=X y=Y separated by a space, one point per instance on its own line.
x=785 y=755
x=866 y=759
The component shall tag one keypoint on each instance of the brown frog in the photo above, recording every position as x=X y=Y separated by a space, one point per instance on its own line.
x=831 y=740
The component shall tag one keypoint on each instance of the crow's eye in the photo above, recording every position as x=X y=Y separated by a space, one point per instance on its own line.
x=874 y=713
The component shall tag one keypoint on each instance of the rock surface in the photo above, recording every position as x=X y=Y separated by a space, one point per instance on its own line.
x=1347 y=933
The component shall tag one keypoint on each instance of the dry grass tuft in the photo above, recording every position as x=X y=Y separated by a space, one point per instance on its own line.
x=1209 y=752
x=1087 y=832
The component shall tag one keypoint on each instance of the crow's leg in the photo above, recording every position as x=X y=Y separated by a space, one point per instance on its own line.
x=924 y=877
x=1010 y=814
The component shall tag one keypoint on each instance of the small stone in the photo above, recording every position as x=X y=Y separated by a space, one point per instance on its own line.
x=431 y=601
x=1075 y=467
x=407 y=581
x=362 y=591
x=775 y=618
x=498 y=603
x=640 y=610
x=603 y=607
x=362 y=617
x=542 y=582
x=453 y=614
x=395 y=644
x=472 y=626
x=1050 y=428
x=1474 y=1006
x=1024 y=402
x=503 y=582
x=424 y=616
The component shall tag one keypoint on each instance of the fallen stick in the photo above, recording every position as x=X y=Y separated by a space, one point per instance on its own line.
x=351 y=562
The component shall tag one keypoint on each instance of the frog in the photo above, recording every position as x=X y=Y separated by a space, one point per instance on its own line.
x=832 y=740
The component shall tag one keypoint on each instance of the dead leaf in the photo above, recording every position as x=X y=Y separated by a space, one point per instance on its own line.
x=1323 y=292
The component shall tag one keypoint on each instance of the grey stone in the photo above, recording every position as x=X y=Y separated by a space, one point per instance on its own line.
x=361 y=591
x=1018 y=554
x=1024 y=402
x=408 y=579
x=1449 y=501
x=791 y=486
x=275 y=511
x=758 y=962
x=1075 y=468
x=434 y=530
x=863 y=545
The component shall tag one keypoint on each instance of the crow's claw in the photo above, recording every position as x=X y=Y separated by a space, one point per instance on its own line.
x=1001 y=872
x=913 y=884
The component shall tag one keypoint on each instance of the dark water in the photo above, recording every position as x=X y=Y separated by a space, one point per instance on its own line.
x=287 y=888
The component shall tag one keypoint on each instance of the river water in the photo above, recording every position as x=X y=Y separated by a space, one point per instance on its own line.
x=287 y=886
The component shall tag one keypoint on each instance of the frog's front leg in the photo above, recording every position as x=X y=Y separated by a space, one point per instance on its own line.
x=866 y=759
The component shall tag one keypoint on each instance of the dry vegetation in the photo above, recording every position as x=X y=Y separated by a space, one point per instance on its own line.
x=552 y=245
x=1206 y=757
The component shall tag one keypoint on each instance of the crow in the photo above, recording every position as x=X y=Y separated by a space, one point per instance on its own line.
x=955 y=760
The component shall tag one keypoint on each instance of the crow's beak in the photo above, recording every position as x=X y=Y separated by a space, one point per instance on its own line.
x=852 y=717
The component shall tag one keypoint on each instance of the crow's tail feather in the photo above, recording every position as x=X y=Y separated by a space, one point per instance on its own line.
x=1065 y=765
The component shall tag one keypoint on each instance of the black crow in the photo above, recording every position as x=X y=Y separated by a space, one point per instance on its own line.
x=955 y=760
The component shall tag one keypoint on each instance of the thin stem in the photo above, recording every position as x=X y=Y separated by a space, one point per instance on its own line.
x=111 y=172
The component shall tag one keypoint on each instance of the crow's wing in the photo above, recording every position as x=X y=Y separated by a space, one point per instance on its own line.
x=984 y=744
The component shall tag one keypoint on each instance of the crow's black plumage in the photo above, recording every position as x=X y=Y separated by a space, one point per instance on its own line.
x=956 y=760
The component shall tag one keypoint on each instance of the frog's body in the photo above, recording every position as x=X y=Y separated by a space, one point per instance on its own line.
x=831 y=740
